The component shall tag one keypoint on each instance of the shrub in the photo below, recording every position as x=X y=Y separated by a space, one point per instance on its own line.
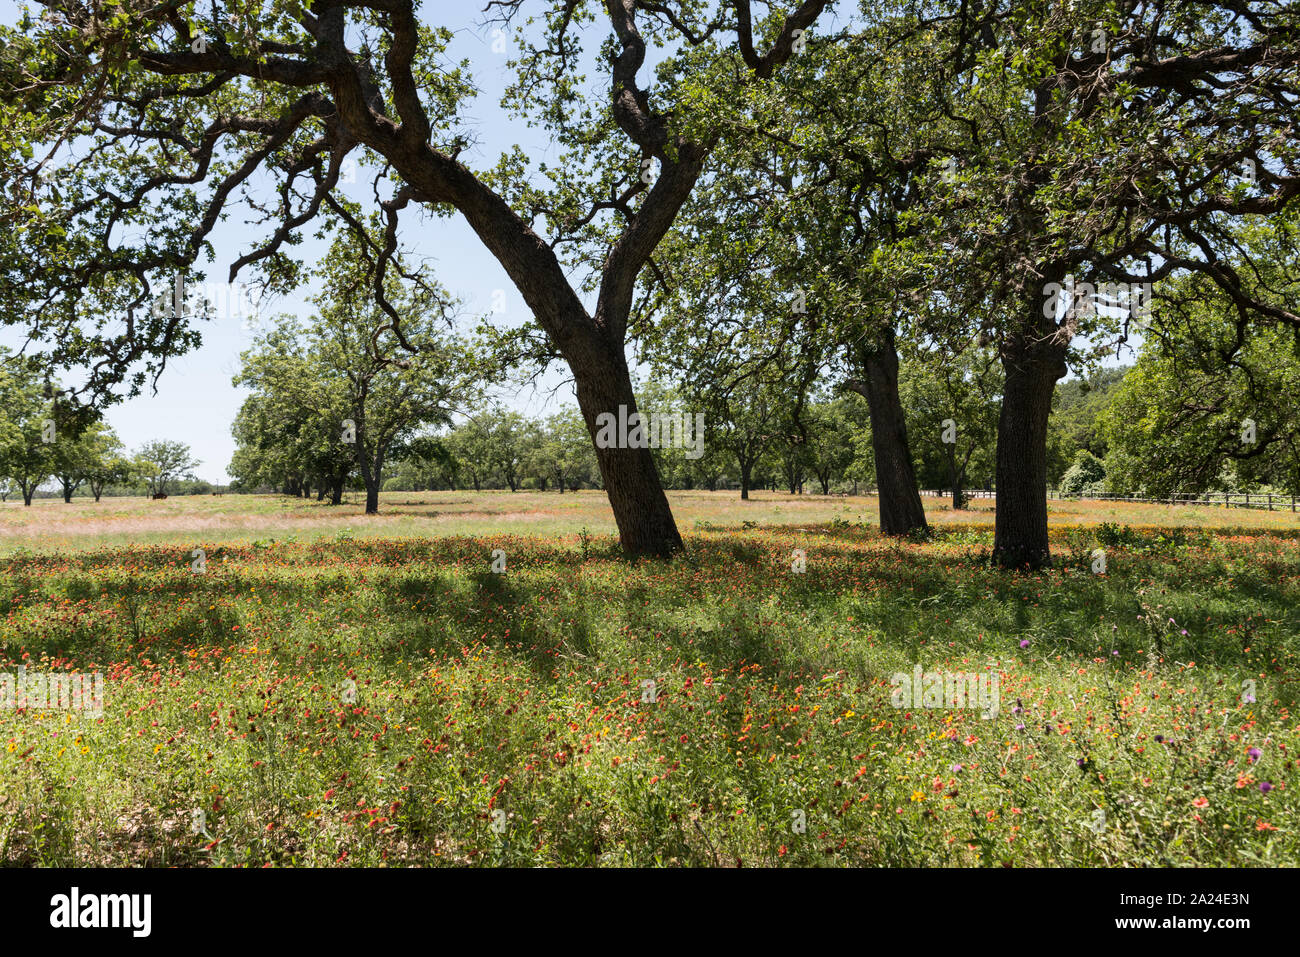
x=1086 y=476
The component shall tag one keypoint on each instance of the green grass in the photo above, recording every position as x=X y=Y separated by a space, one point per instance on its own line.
x=522 y=693
x=50 y=525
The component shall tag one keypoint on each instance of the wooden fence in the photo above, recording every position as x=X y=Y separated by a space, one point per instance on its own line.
x=1260 y=500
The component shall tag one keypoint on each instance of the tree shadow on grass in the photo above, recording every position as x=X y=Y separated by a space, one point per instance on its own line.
x=438 y=614
x=730 y=599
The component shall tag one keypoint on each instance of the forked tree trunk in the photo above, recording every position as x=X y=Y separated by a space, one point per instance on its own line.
x=645 y=521
x=901 y=511
x=593 y=346
x=1020 y=526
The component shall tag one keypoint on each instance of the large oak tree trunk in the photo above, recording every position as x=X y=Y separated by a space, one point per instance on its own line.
x=901 y=511
x=1032 y=367
x=645 y=521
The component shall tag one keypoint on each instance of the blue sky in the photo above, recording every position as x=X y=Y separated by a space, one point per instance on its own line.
x=195 y=401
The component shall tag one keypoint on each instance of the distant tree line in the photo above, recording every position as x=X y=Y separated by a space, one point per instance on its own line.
x=49 y=448
x=768 y=439
x=1101 y=433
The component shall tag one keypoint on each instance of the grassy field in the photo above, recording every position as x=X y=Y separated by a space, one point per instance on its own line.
x=52 y=525
x=336 y=689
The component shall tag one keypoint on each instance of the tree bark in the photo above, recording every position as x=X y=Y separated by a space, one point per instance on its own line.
x=636 y=494
x=745 y=469
x=956 y=480
x=372 y=472
x=901 y=511
x=1032 y=363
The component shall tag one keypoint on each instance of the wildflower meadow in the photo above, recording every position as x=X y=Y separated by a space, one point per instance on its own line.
x=336 y=700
